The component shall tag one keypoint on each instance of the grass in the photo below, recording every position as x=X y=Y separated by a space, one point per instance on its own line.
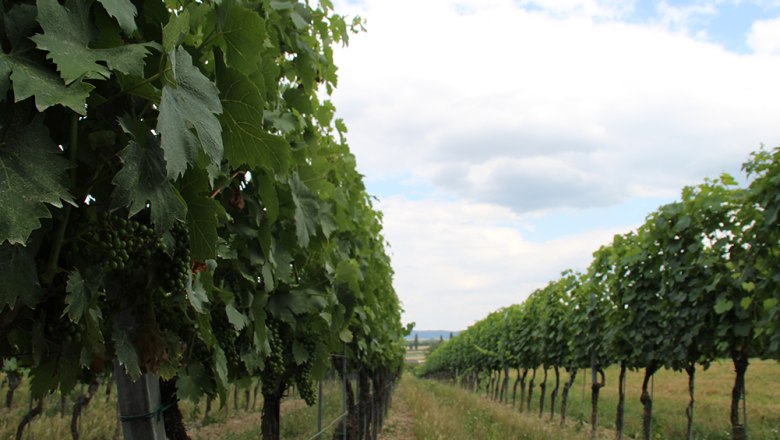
x=438 y=411
x=100 y=419
x=713 y=400
x=424 y=409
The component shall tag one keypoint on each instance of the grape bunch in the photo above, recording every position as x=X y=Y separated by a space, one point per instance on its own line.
x=228 y=338
x=305 y=383
x=176 y=270
x=119 y=243
x=302 y=376
x=274 y=362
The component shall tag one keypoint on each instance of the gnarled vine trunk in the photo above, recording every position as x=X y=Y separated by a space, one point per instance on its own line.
x=738 y=428
x=174 y=422
x=647 y=403
x=505 y=387
x=565 y=395
x=542 y=389
x=522 y=388
x=514 y=389
x=691 y=370
x=31 y=414
x=270 y=418
x=554 y=392
x=14 y=380
x=595 y=388
x=78 y=406
x=621 y=402
x=364 y=403
x=530 y=390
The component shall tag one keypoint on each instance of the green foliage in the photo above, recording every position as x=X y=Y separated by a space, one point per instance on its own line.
x=175 y=192
x=696 y=282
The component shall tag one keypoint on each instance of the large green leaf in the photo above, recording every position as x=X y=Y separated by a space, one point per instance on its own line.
x=31 y=74
x=246 y=142
x=243 y=33
x=202 y=212
x=192 y=102
x=66 y=37
x=33 y=79
x=306 y=211
x=287 y=305
x=123 y=11
x=266 y=187
x=31 y=175
x=18 y=276
x=78 y=298
x=143 y=179
x=125 y=352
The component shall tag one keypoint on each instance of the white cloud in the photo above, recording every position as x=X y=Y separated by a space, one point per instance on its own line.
x=511 y=114
x=430 y=91
x=764 y=37
x=457 y=261
x=684 y=17
x=604 y=9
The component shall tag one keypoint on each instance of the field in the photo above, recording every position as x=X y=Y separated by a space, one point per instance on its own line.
x=426 y=409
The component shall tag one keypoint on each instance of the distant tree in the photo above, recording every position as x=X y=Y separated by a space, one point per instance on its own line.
x=416 y=342
x=441 y=338
x=450 y=335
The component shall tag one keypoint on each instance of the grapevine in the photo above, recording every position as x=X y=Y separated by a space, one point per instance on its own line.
x=179 y=197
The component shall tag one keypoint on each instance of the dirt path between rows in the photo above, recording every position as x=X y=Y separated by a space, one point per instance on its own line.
x=400 y=422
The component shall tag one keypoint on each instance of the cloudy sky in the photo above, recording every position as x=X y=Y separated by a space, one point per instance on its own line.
x=507 y=140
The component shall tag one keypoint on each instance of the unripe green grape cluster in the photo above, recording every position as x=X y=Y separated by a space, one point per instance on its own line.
x=305 y=383
x=302 y=377
x=175 y=275
x=274 y=362
x=121 y=243
x=228 y=339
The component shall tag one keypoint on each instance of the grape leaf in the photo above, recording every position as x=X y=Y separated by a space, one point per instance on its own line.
x=18 y=276
x=220 y=367
x=123 y=11
x=43 y=378
x=125 y=352
x=143 y=179
x=299 y=353
x=306 y=211
x=177 y=28
x=236 y=318
x=267 y=189
x=202 y=212
x=193 y=382
x=246 y=142
x=32 y=79
x=243 y=32
x=66 y=38
x=191 y=102
x=78 y=297
x=285 y=305
x=31 y=175
x=345 y=335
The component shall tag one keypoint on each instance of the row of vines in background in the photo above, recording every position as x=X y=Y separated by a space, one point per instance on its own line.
x=178 y=198
x=698 y=281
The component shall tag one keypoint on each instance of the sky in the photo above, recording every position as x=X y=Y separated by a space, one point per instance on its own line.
x=506 y=141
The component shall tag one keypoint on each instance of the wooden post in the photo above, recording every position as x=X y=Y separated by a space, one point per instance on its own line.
x=139 y=405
